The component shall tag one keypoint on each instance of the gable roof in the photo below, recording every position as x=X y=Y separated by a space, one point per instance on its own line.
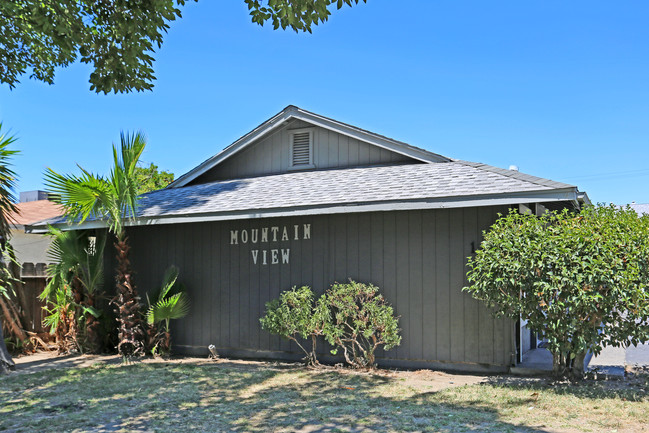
x=34 y=211
x=360 y=189
x=293 y=112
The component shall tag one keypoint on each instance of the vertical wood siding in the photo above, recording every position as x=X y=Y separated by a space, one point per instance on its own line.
x=271 y=155
x=417 y=258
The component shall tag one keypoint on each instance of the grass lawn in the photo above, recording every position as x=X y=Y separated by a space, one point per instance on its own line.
x=262 y=397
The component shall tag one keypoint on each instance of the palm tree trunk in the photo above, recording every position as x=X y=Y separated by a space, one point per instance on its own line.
x=12 y=319
x=92 y=327
x=127 y=304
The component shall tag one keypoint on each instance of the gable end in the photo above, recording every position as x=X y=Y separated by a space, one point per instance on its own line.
x=208 y=171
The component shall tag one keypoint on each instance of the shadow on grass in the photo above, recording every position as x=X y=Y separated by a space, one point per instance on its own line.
x=67 y=361
x=227 y=396
x=630 y=389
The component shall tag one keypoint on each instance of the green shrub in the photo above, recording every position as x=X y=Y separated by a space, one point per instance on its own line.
x=360 y=321
x=295 y=314
x=582 y=280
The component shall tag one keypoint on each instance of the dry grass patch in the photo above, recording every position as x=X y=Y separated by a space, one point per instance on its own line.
x=261 y=397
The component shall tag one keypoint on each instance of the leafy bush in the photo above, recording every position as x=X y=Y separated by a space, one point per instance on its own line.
x=360 y=322
x=354 y=317
x=582 y=280
x=295 y=315
x=171 y=302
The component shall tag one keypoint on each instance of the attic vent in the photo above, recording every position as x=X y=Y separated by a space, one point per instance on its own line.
x=301 y=149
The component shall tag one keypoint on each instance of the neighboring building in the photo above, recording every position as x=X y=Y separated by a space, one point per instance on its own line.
x=307 y=200
x=31 y=249
x=641 y=209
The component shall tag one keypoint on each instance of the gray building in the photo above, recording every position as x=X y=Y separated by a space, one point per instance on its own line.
x=307 y=200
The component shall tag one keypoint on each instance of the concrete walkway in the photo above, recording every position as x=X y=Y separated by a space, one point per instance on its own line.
x=612 y=361
x=615 y=360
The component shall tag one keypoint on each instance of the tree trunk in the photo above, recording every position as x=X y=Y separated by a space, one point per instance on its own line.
x=563 y=365
x=577 y=367
x=6 y=363
x=12 y=319
x=127 y=305
x=92 y=327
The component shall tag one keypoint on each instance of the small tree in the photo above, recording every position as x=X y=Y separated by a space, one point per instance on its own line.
x=295 y=315
x=150 y=179
x=360 y=322
x=582 y=280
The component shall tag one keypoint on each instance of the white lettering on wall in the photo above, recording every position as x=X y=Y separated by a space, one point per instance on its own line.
x=272 y=256
x=285 y=255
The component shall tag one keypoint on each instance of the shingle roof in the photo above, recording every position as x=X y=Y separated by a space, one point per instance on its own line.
x=342 y=186
x=33 y=211
x=442 y=183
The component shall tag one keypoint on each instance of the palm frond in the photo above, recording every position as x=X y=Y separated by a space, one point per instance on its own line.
x=123 y=174
x=113 y=199
x=173 y=307
x=65 y=250
x=69 y=256
x=7 y=183
x=60 y=301
x=168 y=281
x=80 y=196
x=92 y=276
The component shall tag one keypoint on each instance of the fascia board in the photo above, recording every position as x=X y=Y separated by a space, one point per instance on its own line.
x=568 y=194
x=254 y=135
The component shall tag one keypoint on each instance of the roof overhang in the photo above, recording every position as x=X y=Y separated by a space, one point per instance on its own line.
x=558 y=195
x=293 y=112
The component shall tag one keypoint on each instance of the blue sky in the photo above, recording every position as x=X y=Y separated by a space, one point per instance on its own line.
x=560 y=89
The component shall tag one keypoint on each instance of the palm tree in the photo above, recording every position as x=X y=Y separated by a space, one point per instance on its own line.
x=7 y=207
x=170 y=302
x=77 y=265
x=114 y=200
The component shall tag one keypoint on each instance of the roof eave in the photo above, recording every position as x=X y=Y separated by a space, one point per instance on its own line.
x=558 y=195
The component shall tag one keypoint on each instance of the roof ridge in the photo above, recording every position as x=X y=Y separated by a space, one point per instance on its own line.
x=516 y=174
x=367 y=131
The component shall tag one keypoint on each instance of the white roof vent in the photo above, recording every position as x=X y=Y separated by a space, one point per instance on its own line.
x=301 y=148
x=513 y=167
